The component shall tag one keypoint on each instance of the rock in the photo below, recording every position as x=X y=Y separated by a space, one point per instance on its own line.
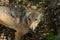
x=34 y=7
x=58 y=4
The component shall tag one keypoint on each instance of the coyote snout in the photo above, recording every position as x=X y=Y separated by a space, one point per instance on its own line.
x=28 y=21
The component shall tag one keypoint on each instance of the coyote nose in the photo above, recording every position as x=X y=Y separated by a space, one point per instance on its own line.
x=34 y=25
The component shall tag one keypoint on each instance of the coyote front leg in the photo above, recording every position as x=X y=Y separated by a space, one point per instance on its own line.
x=10 y=22
x=7 y=20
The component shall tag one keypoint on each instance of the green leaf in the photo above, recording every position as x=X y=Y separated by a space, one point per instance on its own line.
x=24 y=1
x=51 y=36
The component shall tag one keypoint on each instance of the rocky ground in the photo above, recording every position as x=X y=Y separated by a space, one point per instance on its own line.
x=49 y=24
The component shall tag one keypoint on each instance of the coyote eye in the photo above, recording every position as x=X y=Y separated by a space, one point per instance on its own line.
x=29 y=19
x=35 y=19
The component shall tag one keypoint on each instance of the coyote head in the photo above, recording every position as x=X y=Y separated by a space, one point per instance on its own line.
x=32 y=20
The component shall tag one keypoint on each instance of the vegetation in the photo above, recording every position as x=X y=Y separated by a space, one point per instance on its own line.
x=50 y=36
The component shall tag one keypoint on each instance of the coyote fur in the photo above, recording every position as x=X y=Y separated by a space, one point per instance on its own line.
x=29 y=21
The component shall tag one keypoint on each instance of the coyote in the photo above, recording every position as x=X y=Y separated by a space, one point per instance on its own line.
x=29 y=21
